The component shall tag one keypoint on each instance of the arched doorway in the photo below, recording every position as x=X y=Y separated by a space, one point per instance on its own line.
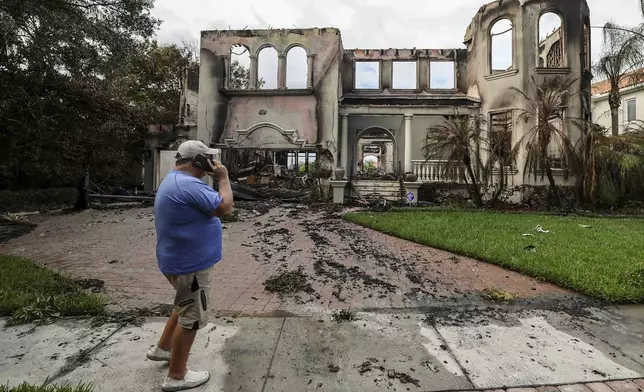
x=375 y=151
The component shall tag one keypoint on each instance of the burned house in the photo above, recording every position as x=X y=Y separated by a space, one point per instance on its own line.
x=364 y=113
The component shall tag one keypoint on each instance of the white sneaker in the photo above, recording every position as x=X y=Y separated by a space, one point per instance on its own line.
x=157 y=354
x=190 y=380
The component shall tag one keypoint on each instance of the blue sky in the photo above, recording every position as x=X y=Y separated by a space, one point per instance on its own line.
x=364 y=24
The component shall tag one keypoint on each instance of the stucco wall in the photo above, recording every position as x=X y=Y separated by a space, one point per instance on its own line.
x=314 y=112
x=217 y=107
x=495 y=89
x=601 y=109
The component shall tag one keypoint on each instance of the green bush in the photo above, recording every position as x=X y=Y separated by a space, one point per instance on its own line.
x=37 y=199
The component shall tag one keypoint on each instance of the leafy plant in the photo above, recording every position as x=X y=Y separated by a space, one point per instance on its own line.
x=500 y=155
x=544 y=141
x=456 y=141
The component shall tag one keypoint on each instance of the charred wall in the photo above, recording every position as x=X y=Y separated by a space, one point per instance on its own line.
x=311 y=110
x=386 y=60
x=492 y=85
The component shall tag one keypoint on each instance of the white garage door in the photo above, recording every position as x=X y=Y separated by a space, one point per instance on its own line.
x=166 y=162
x=167 y=159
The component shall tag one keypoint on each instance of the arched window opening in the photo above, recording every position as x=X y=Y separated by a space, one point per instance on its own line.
x=239 y=77
x=550 y=46
x=296 y=68
x=267 y=68
x=502 y=46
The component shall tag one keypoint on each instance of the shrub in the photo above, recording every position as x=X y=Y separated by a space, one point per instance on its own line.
x=37 y=199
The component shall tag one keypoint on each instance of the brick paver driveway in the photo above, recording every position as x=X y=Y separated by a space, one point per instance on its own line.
x=347 y=266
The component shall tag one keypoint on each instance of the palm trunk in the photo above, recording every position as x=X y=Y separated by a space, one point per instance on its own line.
x=614 y=118
x=497 y=194
x=475 y=193
x=553 y=185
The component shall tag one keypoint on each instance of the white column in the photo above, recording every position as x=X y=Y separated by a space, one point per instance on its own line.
x=227 y=68
x=344 y=144
x=408 y=118
x=253 y=72
x=281 y=71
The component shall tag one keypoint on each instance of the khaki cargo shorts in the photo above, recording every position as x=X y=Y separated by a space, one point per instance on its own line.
x=192 y=298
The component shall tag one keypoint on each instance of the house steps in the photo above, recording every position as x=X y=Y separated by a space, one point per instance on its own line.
x=374 y=190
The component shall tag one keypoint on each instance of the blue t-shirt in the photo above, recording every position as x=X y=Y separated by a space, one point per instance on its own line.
x=189 y=237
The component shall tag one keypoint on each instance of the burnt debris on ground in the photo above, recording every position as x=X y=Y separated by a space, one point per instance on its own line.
x=289 y=282
x=385 y=375
x=343 y=315
x=328 y=265
x=93 y=285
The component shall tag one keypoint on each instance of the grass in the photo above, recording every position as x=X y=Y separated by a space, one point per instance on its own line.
x=603 y=261
x=55 y=388
x=30 y=293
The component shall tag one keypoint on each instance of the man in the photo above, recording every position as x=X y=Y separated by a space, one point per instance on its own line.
x=189 y=244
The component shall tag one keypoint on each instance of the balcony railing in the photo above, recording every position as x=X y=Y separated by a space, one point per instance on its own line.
x=434 y=171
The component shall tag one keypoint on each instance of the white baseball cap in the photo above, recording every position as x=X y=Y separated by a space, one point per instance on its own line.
x=191 y=148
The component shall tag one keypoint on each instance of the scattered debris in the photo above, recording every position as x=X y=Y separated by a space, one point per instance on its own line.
x=403 y=377
x=540 y=229
x=527 y=235
x=343 y=315
x=93 y=285
x=498 y=295
x=334 y=368
x=134 y=317
x=255 y=193
x=430 y=366
x=585 y=226
x=369 y=365
x=289 y=282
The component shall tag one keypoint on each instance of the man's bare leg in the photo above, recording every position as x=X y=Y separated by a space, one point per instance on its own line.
x=161 y=352
x=181 y=344
x=165 y=342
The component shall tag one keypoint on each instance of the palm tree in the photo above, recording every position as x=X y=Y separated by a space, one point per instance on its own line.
x=593 y=154
x=544 y=142
x=621 y=61
x=500 y=152
x=456 y=141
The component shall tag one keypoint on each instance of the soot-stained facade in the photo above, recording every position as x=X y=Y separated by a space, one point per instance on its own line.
x=368 y=110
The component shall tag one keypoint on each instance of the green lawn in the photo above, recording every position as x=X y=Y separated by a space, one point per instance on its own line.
x=605 y=261
x=32 y=293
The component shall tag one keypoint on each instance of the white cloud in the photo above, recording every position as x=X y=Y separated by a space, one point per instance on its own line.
x=364 y=23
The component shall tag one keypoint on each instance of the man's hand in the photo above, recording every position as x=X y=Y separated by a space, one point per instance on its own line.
x=219 y=171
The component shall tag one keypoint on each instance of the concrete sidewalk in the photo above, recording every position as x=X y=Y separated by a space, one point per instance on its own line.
x=454 y=349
